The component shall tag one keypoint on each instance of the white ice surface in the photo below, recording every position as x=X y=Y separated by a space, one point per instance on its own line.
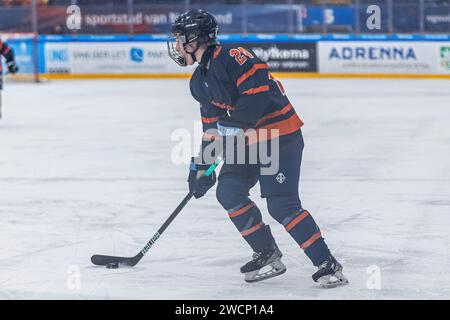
x=85 y=168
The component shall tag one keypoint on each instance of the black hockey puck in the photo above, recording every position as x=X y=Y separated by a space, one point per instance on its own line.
x=112 y=265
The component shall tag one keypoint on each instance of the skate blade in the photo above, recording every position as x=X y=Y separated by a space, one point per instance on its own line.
x=333 y=281
x=277 y=269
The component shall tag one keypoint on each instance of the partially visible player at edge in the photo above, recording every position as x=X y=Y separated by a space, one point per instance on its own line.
x=236 y=92
x=8 y=53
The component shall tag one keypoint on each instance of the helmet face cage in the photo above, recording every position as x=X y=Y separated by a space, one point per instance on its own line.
x=173 y=53
x=194 y=25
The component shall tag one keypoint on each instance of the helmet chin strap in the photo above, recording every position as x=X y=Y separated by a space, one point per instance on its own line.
x=193 y=53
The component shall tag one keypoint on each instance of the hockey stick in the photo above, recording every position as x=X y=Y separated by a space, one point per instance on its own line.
x=115 y=262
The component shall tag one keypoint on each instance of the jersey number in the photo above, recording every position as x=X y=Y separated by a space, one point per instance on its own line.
x=240 y=54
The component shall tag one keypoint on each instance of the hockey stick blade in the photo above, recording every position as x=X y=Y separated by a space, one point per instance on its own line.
x=102 y=260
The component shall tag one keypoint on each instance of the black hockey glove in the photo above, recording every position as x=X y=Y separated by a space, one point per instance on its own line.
x=12 y=67
x=198 y=183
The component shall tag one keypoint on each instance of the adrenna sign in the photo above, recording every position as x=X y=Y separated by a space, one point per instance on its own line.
x=372 y=53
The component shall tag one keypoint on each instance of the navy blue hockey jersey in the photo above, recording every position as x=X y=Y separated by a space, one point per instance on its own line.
x=234 y=86
x=7 y=52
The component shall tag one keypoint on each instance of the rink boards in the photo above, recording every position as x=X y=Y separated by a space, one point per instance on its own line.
x=294 y=56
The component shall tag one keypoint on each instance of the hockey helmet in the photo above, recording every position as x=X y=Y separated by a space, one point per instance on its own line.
x=194 y=25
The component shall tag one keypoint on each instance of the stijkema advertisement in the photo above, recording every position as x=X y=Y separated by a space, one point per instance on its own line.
x=384 y=57
x=110 y=58
x=287 y=57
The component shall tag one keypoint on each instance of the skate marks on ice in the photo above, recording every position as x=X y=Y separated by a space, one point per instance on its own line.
x=89 y=175
x=390 y=171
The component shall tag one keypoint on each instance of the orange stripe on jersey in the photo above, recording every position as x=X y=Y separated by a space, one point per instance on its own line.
x=217 y=52
x=257 y=90
x=222 y=105
x=252 y=229
x=251 y=72
x=275 y=129
x=277 y=113
x=311 y=240
x=210 y=120
x=296 y=221
x=241 y=210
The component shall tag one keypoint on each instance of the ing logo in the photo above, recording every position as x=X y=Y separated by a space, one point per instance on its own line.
x=58 y=55
x=137 y=54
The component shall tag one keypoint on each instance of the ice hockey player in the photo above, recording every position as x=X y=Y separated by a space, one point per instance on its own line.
x=8 y=53
x=236 y=93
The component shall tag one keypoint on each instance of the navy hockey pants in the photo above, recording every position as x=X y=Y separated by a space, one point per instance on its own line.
x=281 y=193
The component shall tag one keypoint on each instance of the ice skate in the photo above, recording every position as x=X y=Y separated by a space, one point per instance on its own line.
x=264 y=265
x=330 y=274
